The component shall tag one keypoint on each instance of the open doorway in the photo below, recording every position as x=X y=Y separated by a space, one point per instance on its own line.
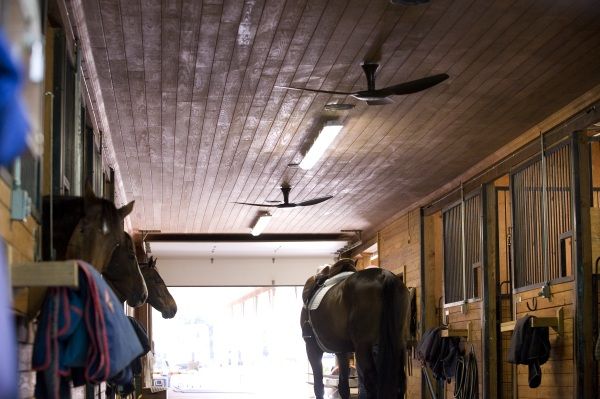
x=242 y=342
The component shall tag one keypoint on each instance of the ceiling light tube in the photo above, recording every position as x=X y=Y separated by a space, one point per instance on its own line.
x=260 y=224
x=324 y=139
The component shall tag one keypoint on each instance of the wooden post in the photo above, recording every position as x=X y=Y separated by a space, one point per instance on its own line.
x=489 y=309
x=428 y=300
x=583 y=336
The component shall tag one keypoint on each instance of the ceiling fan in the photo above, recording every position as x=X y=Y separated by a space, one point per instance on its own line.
x=285 y=189
x=375 y=96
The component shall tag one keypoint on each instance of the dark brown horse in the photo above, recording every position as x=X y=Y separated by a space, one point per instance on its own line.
x=88 y=228
x=124 y=276
x=91 y=229
x=159 y=296
x=367 y=313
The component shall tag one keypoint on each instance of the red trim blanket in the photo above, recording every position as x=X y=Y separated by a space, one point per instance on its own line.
x=83 y=336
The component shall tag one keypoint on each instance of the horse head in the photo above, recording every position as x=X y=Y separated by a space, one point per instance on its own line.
x=98 y=232
x=159 y=296
x=124 y=276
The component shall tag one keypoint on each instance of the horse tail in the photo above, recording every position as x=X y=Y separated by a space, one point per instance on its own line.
x=390 y=354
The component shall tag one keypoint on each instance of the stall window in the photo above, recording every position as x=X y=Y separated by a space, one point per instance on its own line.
x=543 y=218
x=462 y=250
x=67 y=145
x=93 y=161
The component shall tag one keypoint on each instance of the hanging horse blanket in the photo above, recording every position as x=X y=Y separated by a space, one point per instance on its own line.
x=530 y=346
x=135 y=367
x=82 y=336
x=13 y=122
x=439 y=353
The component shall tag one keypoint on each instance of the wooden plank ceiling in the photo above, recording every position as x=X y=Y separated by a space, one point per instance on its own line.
x=186 y=90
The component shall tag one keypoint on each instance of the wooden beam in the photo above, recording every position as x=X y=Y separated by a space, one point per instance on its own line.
x=585 y=367
x=490 y=278
x=458 y=332
x=191 y=237
x=557 y=323
x=45 y=274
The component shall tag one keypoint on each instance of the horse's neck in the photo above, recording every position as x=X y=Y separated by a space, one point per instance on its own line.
x=67 y=211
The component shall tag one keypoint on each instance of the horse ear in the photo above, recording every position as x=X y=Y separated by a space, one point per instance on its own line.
x=125 y=210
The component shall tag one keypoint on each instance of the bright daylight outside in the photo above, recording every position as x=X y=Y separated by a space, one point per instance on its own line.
x=233 y=342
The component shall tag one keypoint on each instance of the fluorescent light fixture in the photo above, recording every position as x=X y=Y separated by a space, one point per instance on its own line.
x=324 y=139
x=260 y=224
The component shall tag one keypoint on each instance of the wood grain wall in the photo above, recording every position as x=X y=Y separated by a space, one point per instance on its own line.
x=399 y=250
x=407 y=242
x=19 y=239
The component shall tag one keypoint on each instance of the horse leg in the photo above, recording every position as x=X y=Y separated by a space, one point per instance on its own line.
x=344 y=375
x=315 y=355
x=367 y=373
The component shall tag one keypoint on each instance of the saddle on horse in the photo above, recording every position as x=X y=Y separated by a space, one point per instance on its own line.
x=325 y=279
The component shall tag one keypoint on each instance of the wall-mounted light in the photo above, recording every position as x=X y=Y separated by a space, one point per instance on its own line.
x=324 y=139
x=261 y=223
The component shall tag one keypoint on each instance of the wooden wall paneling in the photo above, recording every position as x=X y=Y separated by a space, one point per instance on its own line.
x=542 y=39
x=234 y=65
x=20 y=241
x=431 y=280
x=293 y=106
x=187 y=61
x=399 y=249
x=263 y=30
x=202 y=116
x=171 y=20
x=285 y=49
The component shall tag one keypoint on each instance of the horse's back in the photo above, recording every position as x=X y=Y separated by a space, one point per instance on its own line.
x=366 y=299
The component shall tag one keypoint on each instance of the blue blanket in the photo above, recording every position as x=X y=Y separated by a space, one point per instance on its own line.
x=13 y=121
x=83 y=336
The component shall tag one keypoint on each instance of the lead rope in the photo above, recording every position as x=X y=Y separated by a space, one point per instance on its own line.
x=466 y=385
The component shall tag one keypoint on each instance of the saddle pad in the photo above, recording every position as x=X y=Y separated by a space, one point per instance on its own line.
x=315 y=301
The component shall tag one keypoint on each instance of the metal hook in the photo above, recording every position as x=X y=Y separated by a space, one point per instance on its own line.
x=534 y=300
